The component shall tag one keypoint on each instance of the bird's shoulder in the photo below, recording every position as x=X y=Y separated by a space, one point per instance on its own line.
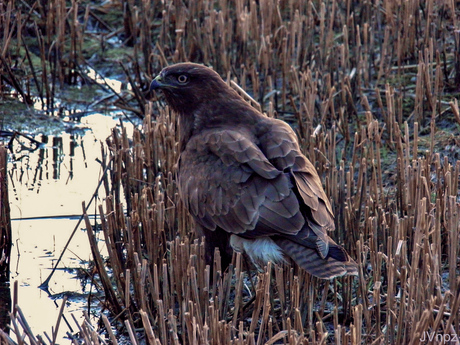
x=226 y=181
x=280 y=145
x=236 y=146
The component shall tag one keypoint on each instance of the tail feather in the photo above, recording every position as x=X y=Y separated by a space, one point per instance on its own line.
x=310 y=261
x=338 y=253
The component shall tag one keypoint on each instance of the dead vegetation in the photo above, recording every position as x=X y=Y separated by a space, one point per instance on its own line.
x=370 y=88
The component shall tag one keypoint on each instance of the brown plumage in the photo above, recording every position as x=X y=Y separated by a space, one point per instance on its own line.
x=244 y=179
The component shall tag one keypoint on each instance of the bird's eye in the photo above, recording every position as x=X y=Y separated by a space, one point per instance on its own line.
x=182 y=79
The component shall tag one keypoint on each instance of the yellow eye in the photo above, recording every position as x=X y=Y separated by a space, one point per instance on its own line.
x=182 y=79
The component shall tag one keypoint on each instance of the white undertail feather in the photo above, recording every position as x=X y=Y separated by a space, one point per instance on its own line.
x=260 y=250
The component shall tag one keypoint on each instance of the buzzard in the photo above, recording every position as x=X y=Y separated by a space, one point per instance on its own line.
x=244 y=179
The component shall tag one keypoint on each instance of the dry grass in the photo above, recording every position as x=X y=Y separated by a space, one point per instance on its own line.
x=369 y=87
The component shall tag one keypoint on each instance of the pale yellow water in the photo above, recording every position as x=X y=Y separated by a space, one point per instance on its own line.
x=46 y=198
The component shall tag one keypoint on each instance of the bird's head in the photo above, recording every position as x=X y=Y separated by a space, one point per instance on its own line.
x=188 y=86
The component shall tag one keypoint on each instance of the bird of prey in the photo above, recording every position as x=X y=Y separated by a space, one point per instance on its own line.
x=244 y=179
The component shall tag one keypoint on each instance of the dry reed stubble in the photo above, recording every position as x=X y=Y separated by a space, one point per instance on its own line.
x=365 y=86
x=403 y=255
x=402 y=225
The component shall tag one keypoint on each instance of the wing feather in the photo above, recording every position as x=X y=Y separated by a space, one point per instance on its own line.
x=281 y=148
x=227 y=181
x=224 y=143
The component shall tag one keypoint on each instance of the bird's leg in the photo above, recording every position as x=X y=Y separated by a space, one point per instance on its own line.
x=247 y=266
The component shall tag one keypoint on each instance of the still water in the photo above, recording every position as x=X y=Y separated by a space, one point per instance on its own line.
x=46 y=189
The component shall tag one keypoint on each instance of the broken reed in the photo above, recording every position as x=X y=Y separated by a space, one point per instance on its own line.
x=5 y=219
x=5 y=239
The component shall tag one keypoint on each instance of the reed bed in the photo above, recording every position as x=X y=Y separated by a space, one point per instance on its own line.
x=404 y=234
x=370 y=88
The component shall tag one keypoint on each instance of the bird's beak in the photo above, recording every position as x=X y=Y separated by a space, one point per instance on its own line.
x=157 y=83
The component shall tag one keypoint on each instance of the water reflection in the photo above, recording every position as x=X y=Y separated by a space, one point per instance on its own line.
x=48 y=180
x=57 y=152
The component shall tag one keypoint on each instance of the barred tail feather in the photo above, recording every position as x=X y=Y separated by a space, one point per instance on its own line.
x=310 y=261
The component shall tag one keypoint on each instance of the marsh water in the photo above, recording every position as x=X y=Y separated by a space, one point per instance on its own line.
x=47 y=185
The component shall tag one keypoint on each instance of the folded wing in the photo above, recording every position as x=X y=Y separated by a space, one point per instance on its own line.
x=262 y=187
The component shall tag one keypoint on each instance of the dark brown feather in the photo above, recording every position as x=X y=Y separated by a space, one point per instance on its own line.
x=242 y=174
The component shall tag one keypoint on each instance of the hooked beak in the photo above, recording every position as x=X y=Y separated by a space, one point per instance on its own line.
x=157 y=83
